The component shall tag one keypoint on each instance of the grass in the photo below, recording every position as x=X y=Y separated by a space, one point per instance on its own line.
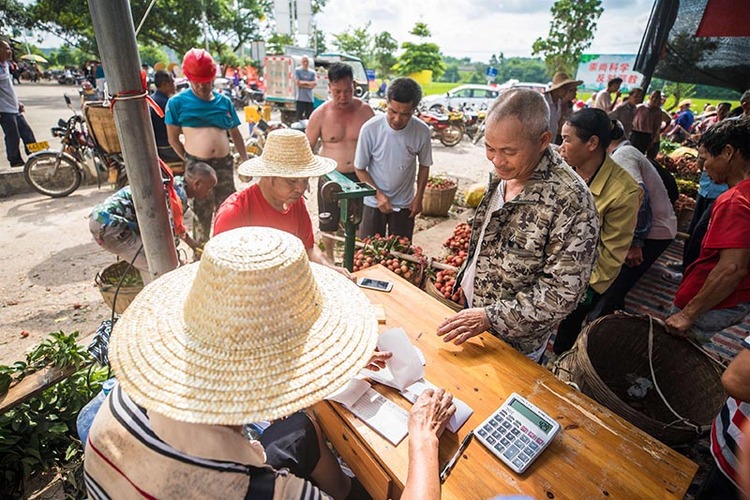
x=698 y=102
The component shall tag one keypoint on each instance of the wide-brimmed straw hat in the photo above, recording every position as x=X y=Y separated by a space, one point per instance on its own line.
x=287 y=153
x=252 y=332
x=685 y=102
x=562 y=79
x=710 y=111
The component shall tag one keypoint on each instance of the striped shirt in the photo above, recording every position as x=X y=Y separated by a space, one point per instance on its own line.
x=132 y=454
x=727 y=431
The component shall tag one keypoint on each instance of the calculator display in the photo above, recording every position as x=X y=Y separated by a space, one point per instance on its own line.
x=533 y=417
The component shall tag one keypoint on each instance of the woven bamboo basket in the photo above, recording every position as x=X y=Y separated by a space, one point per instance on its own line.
x=101 y=123
x=612 y=352
x=437 y=202
x=433 y=292
x=112 y=274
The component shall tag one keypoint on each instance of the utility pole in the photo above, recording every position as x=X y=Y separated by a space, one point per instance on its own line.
x=115 y=36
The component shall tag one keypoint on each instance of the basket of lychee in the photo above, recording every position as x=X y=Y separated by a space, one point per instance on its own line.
x=396 y=254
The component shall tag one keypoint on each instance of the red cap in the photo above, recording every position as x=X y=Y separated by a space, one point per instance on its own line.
x=198 y=66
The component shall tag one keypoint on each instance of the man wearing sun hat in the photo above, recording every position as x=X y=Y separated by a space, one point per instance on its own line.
x=559 y=98
x=277 y=199
x=204 y=117
x=200 y=352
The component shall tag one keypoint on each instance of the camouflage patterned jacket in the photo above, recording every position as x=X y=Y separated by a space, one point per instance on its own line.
x=537 y=254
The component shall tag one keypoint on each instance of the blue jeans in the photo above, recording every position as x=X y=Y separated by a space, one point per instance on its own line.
x=16 y=128
x=712 y=322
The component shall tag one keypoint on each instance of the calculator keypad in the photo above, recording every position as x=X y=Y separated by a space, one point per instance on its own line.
x=509 y=438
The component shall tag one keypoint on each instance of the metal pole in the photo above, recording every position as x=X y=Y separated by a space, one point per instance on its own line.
x=113 y=26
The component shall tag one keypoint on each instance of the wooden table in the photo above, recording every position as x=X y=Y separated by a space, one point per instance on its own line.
x=597 y=454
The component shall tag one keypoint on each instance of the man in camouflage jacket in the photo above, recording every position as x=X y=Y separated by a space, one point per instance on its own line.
x=533 y=258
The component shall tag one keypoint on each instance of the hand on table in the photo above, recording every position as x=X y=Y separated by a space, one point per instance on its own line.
x=464 y=325
x=345 y=272
x=431 y=412
x=679 y=324
x=378 y=359
x=634 y=258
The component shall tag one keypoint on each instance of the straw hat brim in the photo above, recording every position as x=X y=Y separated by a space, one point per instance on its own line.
x=261 y=167
x=165 y=369
x=564 y=83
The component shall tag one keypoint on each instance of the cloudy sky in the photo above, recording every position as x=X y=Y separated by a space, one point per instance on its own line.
x=479 y=28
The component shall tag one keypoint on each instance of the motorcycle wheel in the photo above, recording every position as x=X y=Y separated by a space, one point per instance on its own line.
x=52 y=175
x=478 y=136
x=452 y=135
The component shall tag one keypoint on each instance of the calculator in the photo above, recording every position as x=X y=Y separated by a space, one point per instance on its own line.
x=517 y=432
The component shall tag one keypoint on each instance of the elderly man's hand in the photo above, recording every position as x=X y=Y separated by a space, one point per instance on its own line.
x=679 y=324
x=344 y=271
x=430 y=413
x=384 y=204
x=416 y=207
x=464 y=325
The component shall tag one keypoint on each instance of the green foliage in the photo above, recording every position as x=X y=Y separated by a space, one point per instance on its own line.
x=676 y=92
x=420 y=56
x=275 y=43
x=571 y=32
x=356 y=42
x=40 y=434
x=318 y=41
x=151 y=55
x=383 y=48
x=687 y=187
x=176 y=25
x=13 y=16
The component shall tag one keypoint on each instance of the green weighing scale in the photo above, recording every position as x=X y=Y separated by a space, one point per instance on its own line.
x=338 y=191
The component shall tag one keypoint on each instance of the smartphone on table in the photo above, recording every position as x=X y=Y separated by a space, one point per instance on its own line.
x=372 y=284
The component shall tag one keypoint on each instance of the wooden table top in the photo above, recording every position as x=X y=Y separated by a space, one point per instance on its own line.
x=595 y=454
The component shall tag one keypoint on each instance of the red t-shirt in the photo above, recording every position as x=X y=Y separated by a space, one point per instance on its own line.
x=729 y=227
x=250 y=208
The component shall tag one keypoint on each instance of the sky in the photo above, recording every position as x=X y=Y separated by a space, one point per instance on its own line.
x=476 y=28
x=480 y=28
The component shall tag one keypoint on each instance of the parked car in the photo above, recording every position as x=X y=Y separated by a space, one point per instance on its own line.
x=461 y=97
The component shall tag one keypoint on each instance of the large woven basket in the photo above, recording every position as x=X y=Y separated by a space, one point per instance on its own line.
x=437 y=202
x=613 y=351
x=101 y=123
x=107 y=281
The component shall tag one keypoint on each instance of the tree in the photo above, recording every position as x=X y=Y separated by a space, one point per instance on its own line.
x=176 y=25
x=384 y=45
x=356 y=42
x=318 y=41
x=570 y=33
x=420 y=56
x=275 y=43
x=13 y=16
x=151 y=55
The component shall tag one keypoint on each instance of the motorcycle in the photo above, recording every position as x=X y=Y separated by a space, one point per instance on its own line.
x=59 y=173
x=474 y=123
x=242 y=95
x=447 y=128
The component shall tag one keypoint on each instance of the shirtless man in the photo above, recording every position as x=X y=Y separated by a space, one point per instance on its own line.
x=336 y=123
x=204 y=117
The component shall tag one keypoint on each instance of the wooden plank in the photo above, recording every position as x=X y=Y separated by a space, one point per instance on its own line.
x=596 y=454
x=36 y=382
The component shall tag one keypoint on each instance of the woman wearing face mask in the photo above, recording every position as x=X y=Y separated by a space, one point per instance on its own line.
x=617 y=196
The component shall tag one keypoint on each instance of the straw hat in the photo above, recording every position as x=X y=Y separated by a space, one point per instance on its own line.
x=710 y=111
x=251 y=332
x=562 y=79
x=287 y=153
x=685 y=102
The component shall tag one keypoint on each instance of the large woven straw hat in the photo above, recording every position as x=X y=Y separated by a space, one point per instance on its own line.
x=287 y=153
x=252 y=332
x=562 y=79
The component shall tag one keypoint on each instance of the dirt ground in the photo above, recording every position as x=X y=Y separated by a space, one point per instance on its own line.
x=48 y=259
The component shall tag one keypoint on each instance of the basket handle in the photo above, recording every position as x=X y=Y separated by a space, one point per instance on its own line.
x=698 y=429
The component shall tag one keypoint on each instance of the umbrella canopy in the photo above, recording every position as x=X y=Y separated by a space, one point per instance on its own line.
x=34 y=57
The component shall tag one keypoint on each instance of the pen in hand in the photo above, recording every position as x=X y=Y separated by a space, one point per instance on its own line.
x=452 y=462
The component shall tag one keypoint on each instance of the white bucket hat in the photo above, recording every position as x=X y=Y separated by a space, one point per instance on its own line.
x=251 y=332
x=287 y=153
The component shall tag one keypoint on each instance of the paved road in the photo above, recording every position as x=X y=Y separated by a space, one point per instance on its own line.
x=48 y=259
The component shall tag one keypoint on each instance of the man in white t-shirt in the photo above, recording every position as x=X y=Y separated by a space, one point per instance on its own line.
x=388 y=148
x=14 y=125
x=603 y=99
